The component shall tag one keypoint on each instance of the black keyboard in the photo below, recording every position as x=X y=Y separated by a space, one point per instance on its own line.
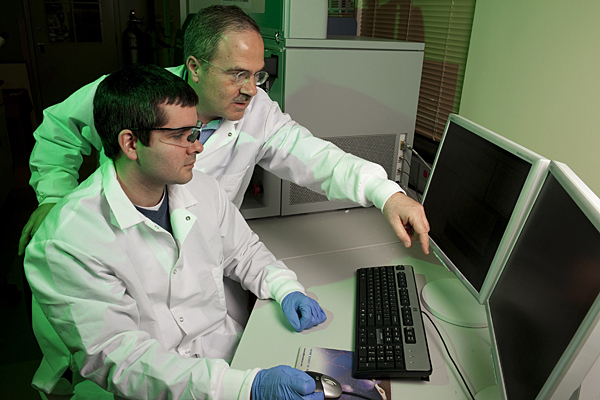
x=389 y=340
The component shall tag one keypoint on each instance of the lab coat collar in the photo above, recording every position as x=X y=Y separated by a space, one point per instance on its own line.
x=123 y=213
x=180 y=196
x=222 y=137
x=180 y=71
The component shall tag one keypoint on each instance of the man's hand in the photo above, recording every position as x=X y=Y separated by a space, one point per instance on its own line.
x=284 y=383
x=407 y=216
x=35 y=220
x=302 y=311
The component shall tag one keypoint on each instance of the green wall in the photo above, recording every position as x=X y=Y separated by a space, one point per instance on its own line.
x=533 y=76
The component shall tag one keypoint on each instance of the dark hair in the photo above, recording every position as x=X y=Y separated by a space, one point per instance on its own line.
x=209 y=25
x=132 y=98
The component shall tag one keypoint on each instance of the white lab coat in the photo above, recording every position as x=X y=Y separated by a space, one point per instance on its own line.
x=265 y=136
x=143 y=313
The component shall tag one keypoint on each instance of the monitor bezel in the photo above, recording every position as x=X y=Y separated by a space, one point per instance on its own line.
x=539 y=165
x=584 y=348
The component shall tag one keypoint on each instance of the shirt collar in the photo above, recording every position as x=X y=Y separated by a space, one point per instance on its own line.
x=123 y=212
x=213 y=125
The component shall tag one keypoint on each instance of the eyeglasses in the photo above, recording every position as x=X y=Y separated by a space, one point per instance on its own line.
x=241 y=78
x=178 y=136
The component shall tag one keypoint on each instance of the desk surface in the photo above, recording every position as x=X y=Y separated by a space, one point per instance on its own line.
x=325 y=249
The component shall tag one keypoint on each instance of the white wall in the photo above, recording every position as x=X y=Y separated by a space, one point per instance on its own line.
x=533 y=76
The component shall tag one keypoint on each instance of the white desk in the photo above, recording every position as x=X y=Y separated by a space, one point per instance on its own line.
x=325 y=249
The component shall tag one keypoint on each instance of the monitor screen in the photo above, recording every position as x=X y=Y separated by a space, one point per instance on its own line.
x=479 y=185
x=549 y=285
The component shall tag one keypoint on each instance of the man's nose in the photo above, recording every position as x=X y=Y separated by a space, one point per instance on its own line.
x=249 y=88
x=197 y=147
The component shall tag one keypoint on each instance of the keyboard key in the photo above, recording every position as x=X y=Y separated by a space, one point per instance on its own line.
x=409 y=335
x=386 y=365
x=404 y=297
x=362 y=351
x=367 y=366
x=371 y=337
x=402 y=279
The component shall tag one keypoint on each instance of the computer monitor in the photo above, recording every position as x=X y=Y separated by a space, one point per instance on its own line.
x=479 y=187
x=544 y=312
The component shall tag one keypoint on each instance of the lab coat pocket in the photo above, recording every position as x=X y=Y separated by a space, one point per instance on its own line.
x=231 y=183
x=217 y=274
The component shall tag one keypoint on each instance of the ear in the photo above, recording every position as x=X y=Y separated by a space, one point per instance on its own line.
x=128 y=142
x=194 y=68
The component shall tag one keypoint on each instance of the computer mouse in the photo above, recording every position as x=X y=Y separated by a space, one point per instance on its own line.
x=326 y=384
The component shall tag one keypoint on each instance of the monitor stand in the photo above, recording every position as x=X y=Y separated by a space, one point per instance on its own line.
x=449 y=300
x=489 y=393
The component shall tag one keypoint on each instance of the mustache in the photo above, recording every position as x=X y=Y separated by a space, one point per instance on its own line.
x=242 y=98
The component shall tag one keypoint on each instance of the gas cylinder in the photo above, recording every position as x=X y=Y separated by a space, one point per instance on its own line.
x=135 y=42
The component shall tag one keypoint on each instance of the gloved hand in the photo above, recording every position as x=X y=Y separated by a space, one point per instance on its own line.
x=284 y=383
x=302 y=311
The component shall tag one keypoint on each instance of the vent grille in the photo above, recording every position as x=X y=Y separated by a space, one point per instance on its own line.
x=380 y=149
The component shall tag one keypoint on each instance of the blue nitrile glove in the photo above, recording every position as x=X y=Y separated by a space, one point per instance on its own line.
x=302 y=311
x=284 y=383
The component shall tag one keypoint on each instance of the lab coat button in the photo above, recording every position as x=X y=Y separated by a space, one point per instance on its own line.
x=174 y=271
x=230 y=134
x=188 y=218
x=180 y=319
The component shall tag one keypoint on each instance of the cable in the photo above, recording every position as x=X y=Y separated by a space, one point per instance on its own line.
x=404 y=160
x=406 y=146
x=423 y=161
x=404 y=172
x=449 y=355
x=412 y=149
x=407 y=190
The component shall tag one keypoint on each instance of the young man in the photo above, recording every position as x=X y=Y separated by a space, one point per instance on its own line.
x=127 y=271
x=243 y=128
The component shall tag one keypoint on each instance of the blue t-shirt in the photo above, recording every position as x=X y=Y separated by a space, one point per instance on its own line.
x=209 y=129
x=160 y=216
